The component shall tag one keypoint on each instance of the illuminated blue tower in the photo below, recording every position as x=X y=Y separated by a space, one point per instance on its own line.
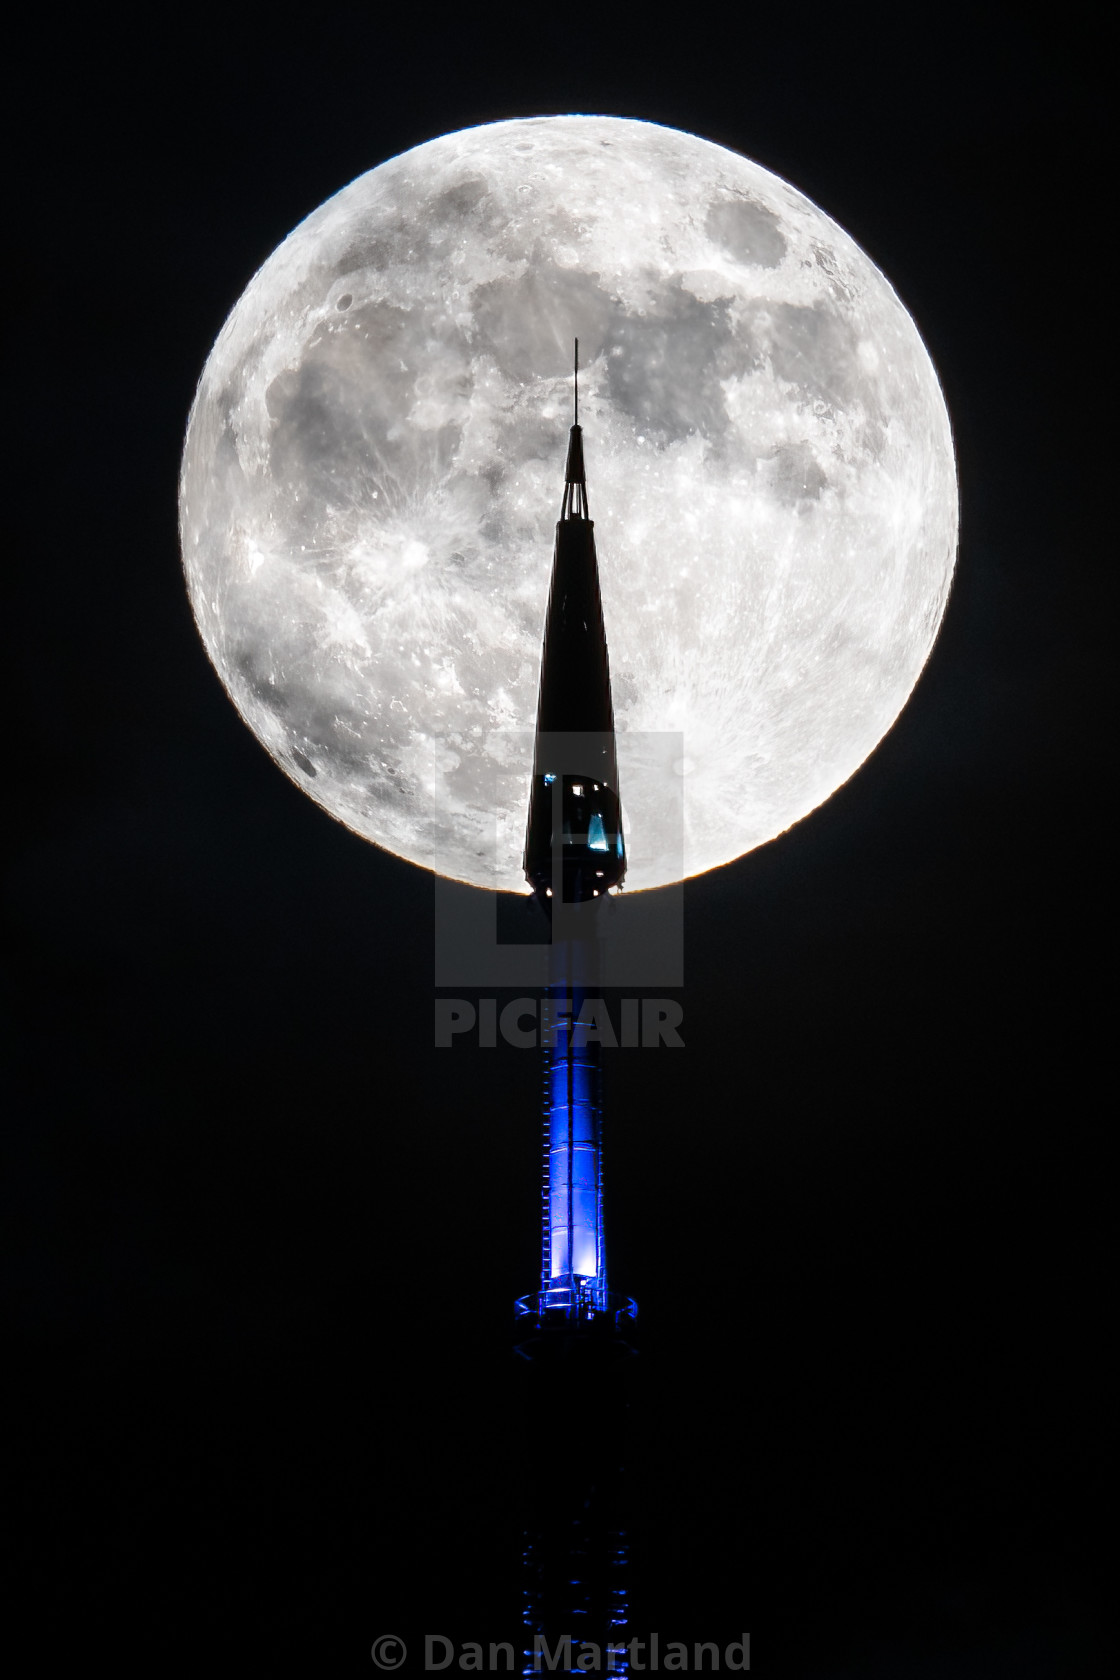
x=576 y=1335
x=575 y=853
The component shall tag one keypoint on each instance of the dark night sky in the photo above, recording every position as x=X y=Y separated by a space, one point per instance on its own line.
x=265 y=1412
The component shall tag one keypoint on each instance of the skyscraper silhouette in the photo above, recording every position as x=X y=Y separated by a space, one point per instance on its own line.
x=575 y=1333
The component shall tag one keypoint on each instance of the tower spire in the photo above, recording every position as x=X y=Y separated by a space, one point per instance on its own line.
x=574 y=505
x=574 y=855
x=574 y=842
x=576 y=1334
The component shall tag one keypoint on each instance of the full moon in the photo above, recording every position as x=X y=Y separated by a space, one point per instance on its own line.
x=374 y=463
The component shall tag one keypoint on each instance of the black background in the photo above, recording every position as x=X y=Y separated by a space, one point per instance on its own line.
x=264 y=1411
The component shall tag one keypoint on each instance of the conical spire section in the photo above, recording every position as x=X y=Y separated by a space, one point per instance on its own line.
x=575 y=826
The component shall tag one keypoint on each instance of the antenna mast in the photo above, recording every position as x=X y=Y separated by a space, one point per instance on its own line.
x=574 y=505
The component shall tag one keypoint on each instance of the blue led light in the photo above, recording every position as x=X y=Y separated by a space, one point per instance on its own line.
x=596 y=834
x=573 y=1191
x=549 y=779
x=573 y=1188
